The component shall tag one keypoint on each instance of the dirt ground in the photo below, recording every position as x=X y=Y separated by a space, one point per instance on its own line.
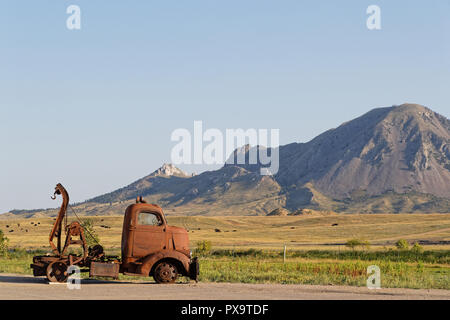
x=24 y=287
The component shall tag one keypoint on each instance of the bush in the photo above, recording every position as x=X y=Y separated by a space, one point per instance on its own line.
x=365 y=244
x=91 y=236
x=417 y=248
x=3 y=244
x=353 y=243
x=203 y=247
x=402 y=244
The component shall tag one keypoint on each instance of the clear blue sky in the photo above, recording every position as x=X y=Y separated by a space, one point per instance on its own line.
x=94 y=108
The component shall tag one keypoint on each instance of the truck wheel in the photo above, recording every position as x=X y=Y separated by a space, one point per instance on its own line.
x=57 y=272
x=165 y=272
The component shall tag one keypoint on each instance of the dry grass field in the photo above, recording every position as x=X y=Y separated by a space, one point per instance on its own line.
x=297 y=232
x=250 y=249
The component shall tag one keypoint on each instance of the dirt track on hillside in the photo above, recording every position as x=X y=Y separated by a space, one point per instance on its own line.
x=26 y=287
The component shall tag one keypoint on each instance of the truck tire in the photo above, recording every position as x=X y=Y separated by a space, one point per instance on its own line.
x=165 y=272
x=194 y=269
x=57 y=272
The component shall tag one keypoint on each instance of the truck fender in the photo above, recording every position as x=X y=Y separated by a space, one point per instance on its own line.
x=151 y=260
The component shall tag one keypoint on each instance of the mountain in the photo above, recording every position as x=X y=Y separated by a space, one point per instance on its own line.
x=399 y=149
x=230 y=190
x=161 y=180
x=394 y=159
x=400 y=154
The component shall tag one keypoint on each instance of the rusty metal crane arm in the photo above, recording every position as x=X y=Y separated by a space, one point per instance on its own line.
x=57 y=227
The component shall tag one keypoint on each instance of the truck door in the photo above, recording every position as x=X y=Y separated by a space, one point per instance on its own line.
x=149 y=235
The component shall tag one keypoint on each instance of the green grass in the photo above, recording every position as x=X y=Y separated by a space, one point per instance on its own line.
x=18 y=261
x=393 y=274
x=399 y=269
x=429 y=256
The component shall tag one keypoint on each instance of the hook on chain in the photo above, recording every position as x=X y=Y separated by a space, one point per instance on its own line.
x=54 y=195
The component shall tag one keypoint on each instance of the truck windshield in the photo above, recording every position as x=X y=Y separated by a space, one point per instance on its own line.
x=148 y=219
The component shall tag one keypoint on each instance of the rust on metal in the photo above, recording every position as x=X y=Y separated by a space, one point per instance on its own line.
x=101 y=269
x=149 y=247
x=57 y=227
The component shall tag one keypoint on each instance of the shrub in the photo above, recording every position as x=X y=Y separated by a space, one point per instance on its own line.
x=3 y=244
x=365 y=244
x=353 y=243
x=203 y=247
x=402 y=244
x=417 y=248
x=91 y=236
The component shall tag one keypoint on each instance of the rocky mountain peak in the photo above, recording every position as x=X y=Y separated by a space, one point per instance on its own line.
x=168 y=169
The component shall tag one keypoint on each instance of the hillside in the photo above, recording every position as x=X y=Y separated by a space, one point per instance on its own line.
x=400 y=149
x=394 y=159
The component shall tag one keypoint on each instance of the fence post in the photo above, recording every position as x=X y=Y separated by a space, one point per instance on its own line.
x=284 y=255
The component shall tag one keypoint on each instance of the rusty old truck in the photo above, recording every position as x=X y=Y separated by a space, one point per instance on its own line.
x=149 y=247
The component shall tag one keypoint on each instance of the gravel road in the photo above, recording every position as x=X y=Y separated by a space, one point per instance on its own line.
x=14 y=286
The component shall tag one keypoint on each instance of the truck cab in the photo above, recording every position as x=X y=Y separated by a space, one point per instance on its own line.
x=150 y=247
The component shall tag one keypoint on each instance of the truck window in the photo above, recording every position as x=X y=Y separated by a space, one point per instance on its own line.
x=148 y=219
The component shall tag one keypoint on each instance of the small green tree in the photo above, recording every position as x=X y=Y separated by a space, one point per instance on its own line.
x=365 y=244
x=3 y=244
x=417 y=248
x=353 y=243
x=91 y=236
x=203 y=247
x=402 y=244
